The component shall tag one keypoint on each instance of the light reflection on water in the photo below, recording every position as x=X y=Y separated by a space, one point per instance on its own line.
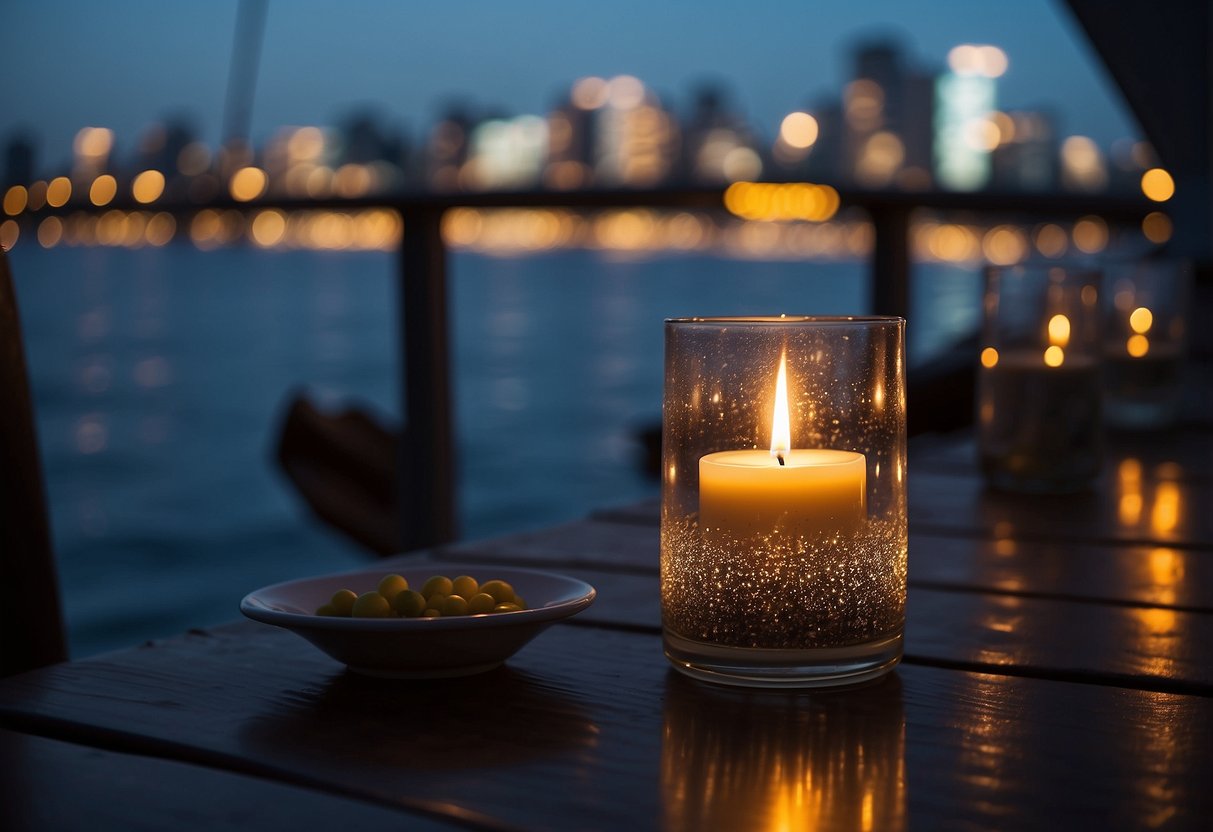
x=159 y=373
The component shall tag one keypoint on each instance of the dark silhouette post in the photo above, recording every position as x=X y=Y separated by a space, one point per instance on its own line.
x=890 y=259
x=31 y=627
x=427 y=458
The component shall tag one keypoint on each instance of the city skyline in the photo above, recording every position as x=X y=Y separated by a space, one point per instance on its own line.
x=100 y=75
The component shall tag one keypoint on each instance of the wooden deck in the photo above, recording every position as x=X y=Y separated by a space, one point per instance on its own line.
x=1057 y=676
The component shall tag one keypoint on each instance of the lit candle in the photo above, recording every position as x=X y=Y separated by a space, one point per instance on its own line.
x=793 y=492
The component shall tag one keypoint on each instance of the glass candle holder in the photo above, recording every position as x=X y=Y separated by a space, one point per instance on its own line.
x=1038 y=385
x=1145 y=334
x=783 y=517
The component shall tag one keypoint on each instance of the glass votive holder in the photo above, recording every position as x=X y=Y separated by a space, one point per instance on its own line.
x=1145 y=335
x=783 y=516
x=1038 y=391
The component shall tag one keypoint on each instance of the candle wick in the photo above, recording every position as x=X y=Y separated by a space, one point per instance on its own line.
x=779 y=456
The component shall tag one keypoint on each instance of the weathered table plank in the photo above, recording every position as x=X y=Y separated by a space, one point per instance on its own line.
x=1185 y=454
x=1159 y=648
x=590 y=728
x=50 y=784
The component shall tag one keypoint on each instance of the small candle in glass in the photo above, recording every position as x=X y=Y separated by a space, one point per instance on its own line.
x=783 y=530
x=1038 y=388
x=1145 y=335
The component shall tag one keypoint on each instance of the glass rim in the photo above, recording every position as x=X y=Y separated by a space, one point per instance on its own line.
x=764 y=320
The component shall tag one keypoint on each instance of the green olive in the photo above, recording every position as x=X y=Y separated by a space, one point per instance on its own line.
x=343 y=601
x=391 y=586
x=521 y=604
x=372 y=605
x=508 y=607
x=431 y=614
x=326 y=609
x=437 y=585
x=481 y=602
x=409 y=603
x=465 y=586
x=454 y=605
x=502 y=592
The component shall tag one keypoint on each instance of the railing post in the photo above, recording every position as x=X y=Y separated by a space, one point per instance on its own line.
x=427 y=459
x=890 y=260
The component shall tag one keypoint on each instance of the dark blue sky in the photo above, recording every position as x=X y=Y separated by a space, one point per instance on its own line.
x=124 y=63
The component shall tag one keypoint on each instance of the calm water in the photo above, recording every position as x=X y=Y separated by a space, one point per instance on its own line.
x=159 y=375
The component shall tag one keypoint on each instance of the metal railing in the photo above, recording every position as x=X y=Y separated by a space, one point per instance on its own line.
x=427 y=448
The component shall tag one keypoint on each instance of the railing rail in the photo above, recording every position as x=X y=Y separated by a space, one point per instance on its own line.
x=427 y=456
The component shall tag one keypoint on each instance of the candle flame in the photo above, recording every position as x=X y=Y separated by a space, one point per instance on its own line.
x=781 y=431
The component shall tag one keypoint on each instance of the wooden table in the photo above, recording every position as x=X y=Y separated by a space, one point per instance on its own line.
x=1058 y=675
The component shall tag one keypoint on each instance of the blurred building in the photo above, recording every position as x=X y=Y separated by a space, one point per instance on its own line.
x=1026 y=156
x=966 y=130
x=717 y=143
x=20 y=155
x=446 y=150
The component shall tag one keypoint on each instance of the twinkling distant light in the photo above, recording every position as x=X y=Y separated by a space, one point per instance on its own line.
x=1082 y=164
x=248 y=183
x=1140 y=320
x=798 y=130
x=103 y=190
x=1157 y=227
x=15 y=200
x=741 y=163
x=776 y=202
x=994 y=61
x=982 y=134
x=880 y=158
x=1157 y=185
x=160 y=229
x=93 y=142
x=1059 y=330
x=268 y=228
x=50 y=232
x=1090 y=235
x=590 y=93
x=972 y=59
x=148 y=186
x=58 y=191
x=9 y=232
x=1005 y=125
x=964 y=59
x=1137 y=345
x=1004 y=245
x=306 y=144
x=1052 y=240
x=625 y=92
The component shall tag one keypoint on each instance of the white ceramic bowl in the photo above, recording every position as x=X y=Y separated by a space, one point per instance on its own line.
x=420 y=647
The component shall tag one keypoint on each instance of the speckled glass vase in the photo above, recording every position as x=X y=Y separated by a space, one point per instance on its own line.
x=783 y=515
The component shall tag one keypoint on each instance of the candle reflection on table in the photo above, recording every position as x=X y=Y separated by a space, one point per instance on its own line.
x=761 y=760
